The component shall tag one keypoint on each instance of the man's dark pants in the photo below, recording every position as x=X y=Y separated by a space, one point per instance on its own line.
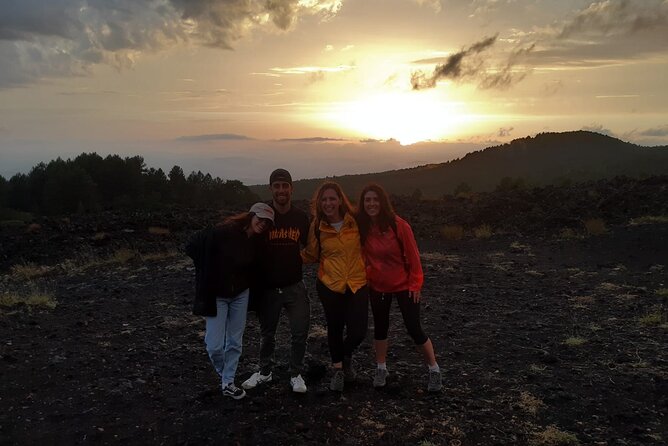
x=294 y=298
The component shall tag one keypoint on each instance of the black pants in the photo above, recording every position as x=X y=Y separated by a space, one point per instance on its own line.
x=380 y=306
x=344 y=310
x=294 y=299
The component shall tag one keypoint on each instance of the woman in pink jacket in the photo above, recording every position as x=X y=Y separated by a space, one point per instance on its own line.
x=393 y=271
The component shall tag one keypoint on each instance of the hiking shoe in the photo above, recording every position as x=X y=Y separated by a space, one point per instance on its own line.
x=435 y=384
x=298 y=384
x=349 y=370
x=337 y=381
x=233 y=391
x=255 y=379
x=380 y=379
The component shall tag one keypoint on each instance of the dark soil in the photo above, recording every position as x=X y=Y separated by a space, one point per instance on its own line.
x=121 y=360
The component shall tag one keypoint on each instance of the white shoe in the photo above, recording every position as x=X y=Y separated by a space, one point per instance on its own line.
x=255 y=379
x=298 y=384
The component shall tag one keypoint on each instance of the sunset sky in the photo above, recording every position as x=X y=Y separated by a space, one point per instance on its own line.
x=322 y=87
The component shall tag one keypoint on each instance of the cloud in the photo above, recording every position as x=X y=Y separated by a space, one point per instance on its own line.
x=486 y=7
x=434 y=4
x=309 y=140
x=656 y=131
x=467 y=65
x=552 y=87
x=598 y=128
x=616 y=96
x=187 y=95
x=455 y=66
x=606 y=32
x=86 y=92
x=312 y=70
x=603 y=33
x=617 y=17
x=214 y=137
x=41 y=39
x=315 y=74
x=504 y=132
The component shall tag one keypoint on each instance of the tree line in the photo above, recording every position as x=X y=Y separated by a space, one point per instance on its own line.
x=90 y=183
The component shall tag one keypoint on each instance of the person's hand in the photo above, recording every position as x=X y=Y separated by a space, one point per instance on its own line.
x=415 y=295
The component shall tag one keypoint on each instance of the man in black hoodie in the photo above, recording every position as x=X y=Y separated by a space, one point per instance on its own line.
x=283 y=285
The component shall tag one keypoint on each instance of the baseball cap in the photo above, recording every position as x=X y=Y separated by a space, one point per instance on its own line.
x=280 y=175
x=263 y=210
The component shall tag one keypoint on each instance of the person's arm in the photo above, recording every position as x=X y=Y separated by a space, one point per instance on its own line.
x=311 y=254
x=412 y=257
x=195 y=246
x=304 y=230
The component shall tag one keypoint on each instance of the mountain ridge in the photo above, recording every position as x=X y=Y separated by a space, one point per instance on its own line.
x=547 y=158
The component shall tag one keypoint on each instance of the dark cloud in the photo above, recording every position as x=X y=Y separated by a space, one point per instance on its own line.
x=456 y=66
x=504 y=132
x=214 y=137
x=506 y=74
x=50 y=38
x=468 y=65
x=605 y=32
x=617 y=17
x=22 y=20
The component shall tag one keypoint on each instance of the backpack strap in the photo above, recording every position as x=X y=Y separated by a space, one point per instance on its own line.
x=316 y=230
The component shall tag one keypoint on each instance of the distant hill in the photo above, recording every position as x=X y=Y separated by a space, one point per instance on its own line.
x=547 y=158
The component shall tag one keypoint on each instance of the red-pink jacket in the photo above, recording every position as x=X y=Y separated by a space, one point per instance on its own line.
x=386 y=270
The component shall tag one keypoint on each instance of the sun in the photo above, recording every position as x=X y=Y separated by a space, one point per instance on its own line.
x=406 y=116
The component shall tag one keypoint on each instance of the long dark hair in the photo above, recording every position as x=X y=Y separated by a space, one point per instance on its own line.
x=316 y=209
x=386 y=215
x=240 y=221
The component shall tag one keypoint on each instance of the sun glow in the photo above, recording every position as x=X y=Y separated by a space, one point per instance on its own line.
x=407 y=116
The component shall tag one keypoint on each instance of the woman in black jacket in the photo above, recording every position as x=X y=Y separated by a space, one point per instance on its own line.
x=223 y=257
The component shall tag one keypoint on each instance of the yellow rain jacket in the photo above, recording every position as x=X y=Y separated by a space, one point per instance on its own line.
x=340 y=255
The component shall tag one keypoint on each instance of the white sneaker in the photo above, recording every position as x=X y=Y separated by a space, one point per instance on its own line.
x=255 y=379
x=298 y=384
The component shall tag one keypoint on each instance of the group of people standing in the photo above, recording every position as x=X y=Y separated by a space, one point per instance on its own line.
x=368 y=254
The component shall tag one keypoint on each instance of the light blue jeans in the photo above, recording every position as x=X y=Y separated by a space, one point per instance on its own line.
x=224 y=335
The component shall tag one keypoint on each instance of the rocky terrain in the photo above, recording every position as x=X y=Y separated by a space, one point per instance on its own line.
x=549 y=331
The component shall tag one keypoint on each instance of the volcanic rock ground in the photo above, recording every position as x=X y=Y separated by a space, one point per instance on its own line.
x=542 y=340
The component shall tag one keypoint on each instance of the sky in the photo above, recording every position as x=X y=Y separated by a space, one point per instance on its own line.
x=237 y=88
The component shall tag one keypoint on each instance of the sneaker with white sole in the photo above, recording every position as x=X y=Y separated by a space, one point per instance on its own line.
x=336 y=384
x=298 y=384
x=435 y=384
x=233 y=391
x=255 y=379
x=380 y=379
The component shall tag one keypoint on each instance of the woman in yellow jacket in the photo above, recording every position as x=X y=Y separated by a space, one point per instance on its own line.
x=334 y=242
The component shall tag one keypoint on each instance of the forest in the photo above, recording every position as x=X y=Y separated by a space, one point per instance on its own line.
x=90 y=183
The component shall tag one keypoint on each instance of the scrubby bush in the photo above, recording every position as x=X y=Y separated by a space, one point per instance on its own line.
x=483 y=231
x=595 y=226
x=452 y=232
